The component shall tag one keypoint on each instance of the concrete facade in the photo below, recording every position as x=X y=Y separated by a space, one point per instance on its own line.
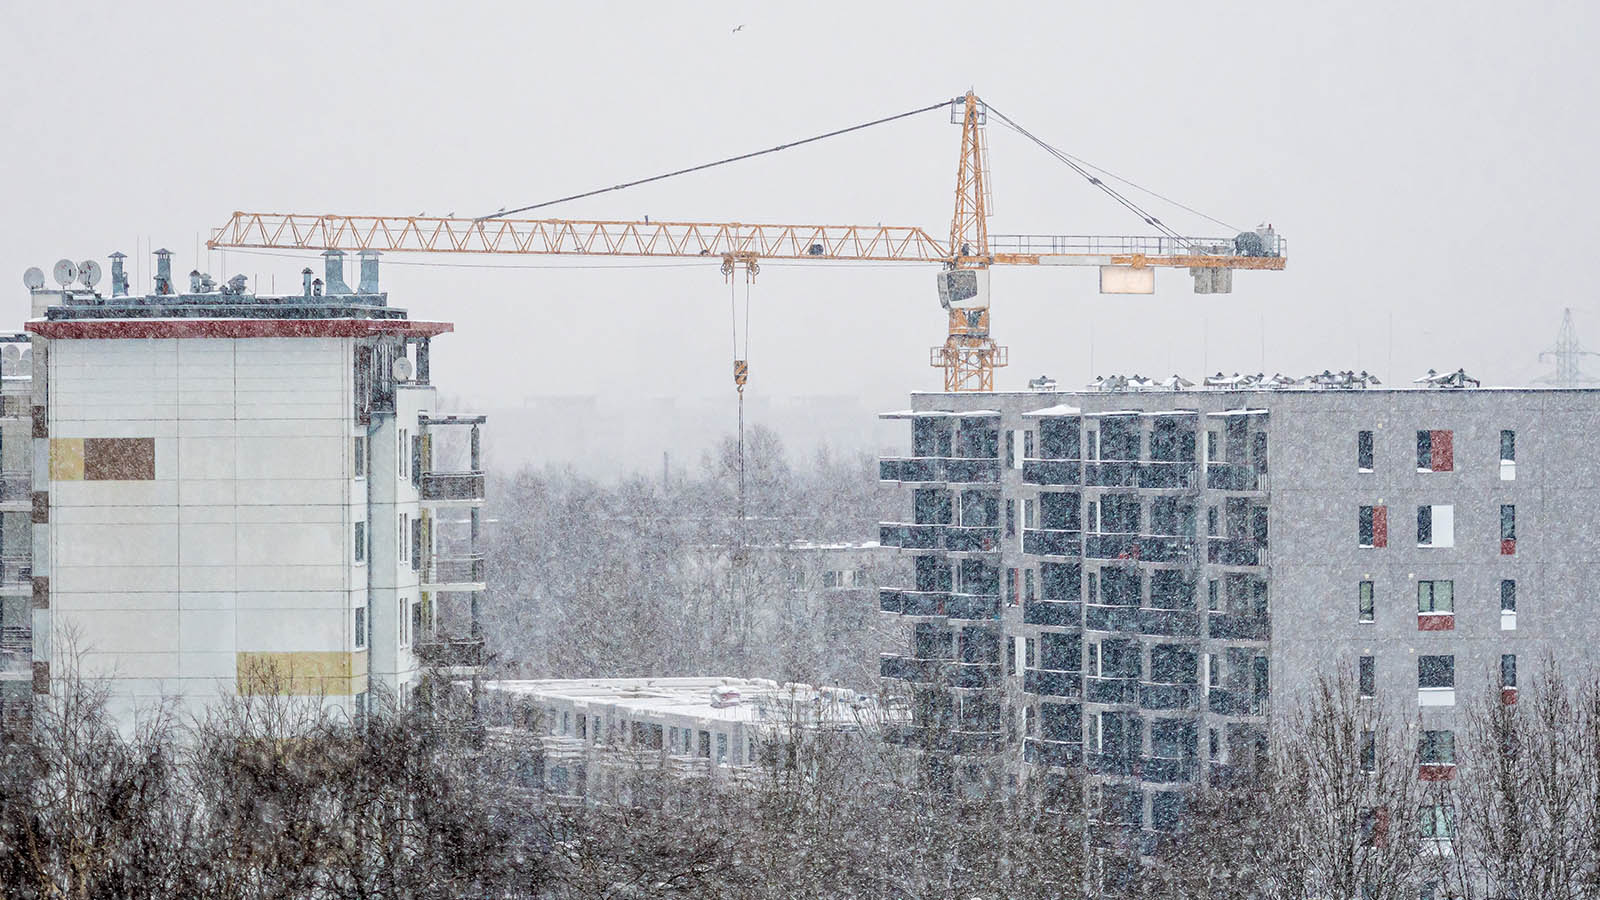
x=1126 y=583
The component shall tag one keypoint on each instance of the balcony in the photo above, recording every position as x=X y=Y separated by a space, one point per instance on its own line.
x=451 y=488
x=909 y=536
x=1110 y=763
x=1233 y=477
x=908 y=668
x=1052 y=682
x=1159 y=695
x=1052 y=542
x=1163 y=548
x=16 y=487
x=1062 y=614
x=973 y=675
x=1171 y=622
x=16 y=651
x=1235 y=551
x=972 y=606
x=16 y=570
x=1240 y=626
x=1045 y=752
x=912 y=469
x=972 y=538
x=1159 y=475
x=1053 y=472
x=1113 y=473
x=1234 y=703
x=462 y=574
x=1111 y=689
x=1110 y=618
x=960 y=470
x=1166 y=770
x=450 y=652
x=1110 y=545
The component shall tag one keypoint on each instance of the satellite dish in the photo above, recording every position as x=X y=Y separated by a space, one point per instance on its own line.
x=401 y=369
x=33 y=278
x=65 y=272
x=89 y=273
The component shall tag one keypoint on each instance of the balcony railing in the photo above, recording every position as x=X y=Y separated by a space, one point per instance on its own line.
x=1173 y=622
x=972 y=538
x=1235 y=551
x=1111 y=473
x=1052 y=542
x=1233 y=477
x=914 y=469
x=1137 y=547
x=16 y=570
x=16 y=649
x=972 y=606
x=16 y=487
x=1160 y=695
x=1160 y=475
x=1110 y=763
x=1240 y=626
x=441 y=650
x=1103 y=689
x=1052 y=471
x=1110 y=618
x=909 y=668
x=467 y=570
x=1166 y=770
x=958 y=740
x=962 y=470
x=974 y=675
x=451 y=486
x=1045 y=752
x=1110 y=545
x=1052 y=682
x=909 y=536
x=1067 y=614
x=1234 y=703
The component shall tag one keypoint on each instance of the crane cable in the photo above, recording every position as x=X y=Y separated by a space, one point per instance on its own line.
x=721 y=162
x=741 y=369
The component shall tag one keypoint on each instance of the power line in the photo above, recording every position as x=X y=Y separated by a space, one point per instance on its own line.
x=720 y=162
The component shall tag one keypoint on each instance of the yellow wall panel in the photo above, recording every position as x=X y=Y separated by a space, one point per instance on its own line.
x=302 y=673
x=66 y=459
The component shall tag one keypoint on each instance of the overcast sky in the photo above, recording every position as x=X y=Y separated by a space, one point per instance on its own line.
x=1432 y=166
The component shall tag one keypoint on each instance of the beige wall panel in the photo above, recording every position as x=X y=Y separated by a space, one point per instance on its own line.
x=218 y=667
x=120 y=515
x=205 y=457
x=307 y=629
x=293 y=578
x=76 y=601
x=298 y=411
x=301 y=513
x=201 y=395
x=206 y=630
x=275 y=492
x=206 y=579
x=121 y=631
x=194 y=426
x=304 y=544
x=115 y=545
x=291 y=428
x=82 y=428
x=291 y=457
x=133 y=665
x=207 y=544
x=113 y=578
x=207 y=515
x=215 y=492
x=161 y=492
x=207 y=600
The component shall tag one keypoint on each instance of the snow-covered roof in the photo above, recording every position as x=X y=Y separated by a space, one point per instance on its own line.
x=1166 y=413
x=1238 y=412
x=704 y=699
x=915 y=414
x=1060 y=409
x=1112 y=413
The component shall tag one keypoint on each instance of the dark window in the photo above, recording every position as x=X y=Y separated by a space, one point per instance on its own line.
x=1027 y=444
x=361 y=542
x=1060 y=581
x=416 y=459
x=1424 y=526
x=1166 y=810
x=1030 y=653
x=1365 y=605
x=1436 y=671
x=1508 y=522
x=1508 y=670
x=1171 y=589
x=359 y=457
x=1011 y=586
x=1027 y=584
x=1437 y=748
x=1364 y=451
x=1435 y=451
x=361 y=627
x=1011 y=518
x=1214 y=595
x=1436 y=597
x=1372 y=526
x=1508 y=595
x=1508 y=446
x=1369 y=676
x=1369 y=751
x=416 y=624
x=1173 y=664
x=1425 y=450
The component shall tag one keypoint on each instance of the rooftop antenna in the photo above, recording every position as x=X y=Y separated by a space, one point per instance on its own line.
x=1568 y=354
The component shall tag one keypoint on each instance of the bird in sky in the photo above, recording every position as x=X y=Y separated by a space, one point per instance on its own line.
x=738 y=29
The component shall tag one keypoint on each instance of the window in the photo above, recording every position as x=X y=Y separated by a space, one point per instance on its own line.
x=1214 y=595
x=1363 y=451
x=1030 y=651
x=1369 y=676
x=1369 y=751
x=1213 y=671
x=358 y=457
x=1436 y=597
x=1027 y=444
x=1213 y=439
x=1508 y=456
x=1508 y=529
x=416 y=545
x=1435 y=451
x=1027 y=584
x=400 y=537
x=1011 y=518
x=400 y=454
x=1438 y=823
x=1365 y=608
x=416 y=460
x=416 y=619
x=1437 y=748
x=361 y=542
x=361 y=627
x=1436 y=672
x=1508 y=670
x=1372 y=526
x=1011 y=586
x=1215 y=744
x=1436 y=526
x=1093 y=660
x=1508 y=605
x=404 y=622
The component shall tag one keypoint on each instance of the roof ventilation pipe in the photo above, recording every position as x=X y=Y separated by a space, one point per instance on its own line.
x=164 y=271
x=119 y=278
x=333 y=272
x=305 y=276
x=369 y=273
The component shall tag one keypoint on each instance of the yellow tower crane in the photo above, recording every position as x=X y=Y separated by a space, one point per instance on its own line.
x=969 y=354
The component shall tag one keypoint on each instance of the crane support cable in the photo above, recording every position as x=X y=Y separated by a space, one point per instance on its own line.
x=1111 y=192
x=721 y=162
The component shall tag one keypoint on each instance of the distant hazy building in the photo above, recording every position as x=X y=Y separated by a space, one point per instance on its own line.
x=1125 y=583
x=240 y=493
x=16 y=550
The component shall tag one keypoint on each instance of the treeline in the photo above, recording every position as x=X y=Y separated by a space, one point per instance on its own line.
x=651 y=576
x=273 y=799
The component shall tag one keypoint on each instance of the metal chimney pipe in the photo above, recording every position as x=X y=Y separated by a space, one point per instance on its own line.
x=305 y=276
x=164 y=272
x=119 y=278
x=333 y=272
x=369 y=273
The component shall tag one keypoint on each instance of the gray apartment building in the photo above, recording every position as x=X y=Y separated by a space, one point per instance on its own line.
x=1124 y=582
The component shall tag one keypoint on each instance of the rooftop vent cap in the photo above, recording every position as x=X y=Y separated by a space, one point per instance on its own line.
x=119 y=278
x=164 y=271
x=333 y=272
x=369 y=273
